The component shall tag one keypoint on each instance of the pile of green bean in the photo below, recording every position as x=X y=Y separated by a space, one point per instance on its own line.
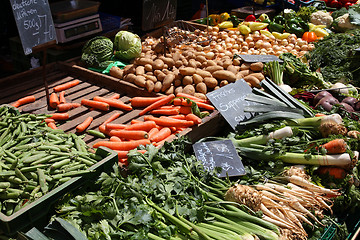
x=34 y=159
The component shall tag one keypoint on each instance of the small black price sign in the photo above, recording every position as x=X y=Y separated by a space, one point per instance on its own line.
x=34 y=22
x=259 y=58
x=230 y=101
x=222 y=154
x=157 y=13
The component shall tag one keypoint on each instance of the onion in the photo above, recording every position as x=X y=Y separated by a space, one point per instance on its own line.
x=210 y=55
x=251 y=44
x=258 y=44
x=304 y=48
x=344 y=90
x=249 y=39
x=266 y=45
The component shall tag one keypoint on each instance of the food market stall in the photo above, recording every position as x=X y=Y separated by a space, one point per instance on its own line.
x=173 y=108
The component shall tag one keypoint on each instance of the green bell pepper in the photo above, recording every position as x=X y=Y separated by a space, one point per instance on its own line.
x=296 y=26
x=279 y=20
x=201 y=21
x=275 y=27
x=235 y=21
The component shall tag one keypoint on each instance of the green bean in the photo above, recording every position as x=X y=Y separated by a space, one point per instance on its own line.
x=42 y=180
x=76 y=167
x=42 y=160
x=8 y=159
x=14 y=179
x=10 y=154
x=7 y=173
x=4 y=185
x=36 y=135
x=14 y=164
x=5 y=139
x=4 y=166
x=23 y=127
x=18 y=206
x=64 y=179
x=27 y=146
x=17 y=131
x=87 y=162
x=35 y=191
x=96 y=133
x=35 y=157
x=57 y=159
x=20 y=175
x=48 y=148
x=95 y=156
x=3 y=124
x=61 y=154
x=34 y=176
x=32 y=168
x=76 y=173
x=59 y=164
x=9 y=208
x=29 y=188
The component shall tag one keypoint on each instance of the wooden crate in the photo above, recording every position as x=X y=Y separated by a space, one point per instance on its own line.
x=91 y=84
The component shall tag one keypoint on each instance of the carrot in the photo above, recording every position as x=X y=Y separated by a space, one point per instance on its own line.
x=62 y=97
x=112 y=118
x=144 y=101
x=116 y=103
x=320 y=115
x=335 y=146
x=51 y=125
x=157 y=104
x=115 y=139
x=60 y=116
x=123 y=154
x=129 y=134
x=102 y=128
x=180 y=116
x=115 y=96
x=115 y=126
x=161 y=135
x=171 y=111
x=194 y=118
x=183 y=102
x=185 y=110
x=67 y=85
x=336 y=172
x=54 y=100
x=178 y=102
x=128 y=145
x=195 y=99
x=152 y=132
x=62 y=107
x=48 y=120
x=157 y=144
x=134 y=121
x=84 y=125
x=123 y=162
x=144 y=126
x=169 y=122
x=24 y=100
x=95 y=104
x=205 y=106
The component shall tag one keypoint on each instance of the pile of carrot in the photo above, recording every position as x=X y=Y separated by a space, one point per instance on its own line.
x=165 y=117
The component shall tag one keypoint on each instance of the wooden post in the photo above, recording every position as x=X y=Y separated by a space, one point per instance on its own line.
x=43 y=48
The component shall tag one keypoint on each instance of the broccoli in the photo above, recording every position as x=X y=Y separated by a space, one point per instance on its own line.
x=97 y=51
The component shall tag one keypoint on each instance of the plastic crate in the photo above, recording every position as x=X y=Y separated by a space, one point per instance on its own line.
x=37 y=211
x=296 y=4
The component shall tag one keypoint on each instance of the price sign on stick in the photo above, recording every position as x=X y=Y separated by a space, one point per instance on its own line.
x=157 y=13
x=34 y=22
x=230 y=100
x=219 y=154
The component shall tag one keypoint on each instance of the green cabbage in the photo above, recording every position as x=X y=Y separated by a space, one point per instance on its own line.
x=97 y=51
x=127 y=45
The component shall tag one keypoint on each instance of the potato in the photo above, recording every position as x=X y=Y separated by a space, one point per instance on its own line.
x=168 y=80
x=211 y=63
x=212 y=69
x=256 y=67
x=217 y=87
x=129 y=69
x=149 y=85
x=130 y=77
x=178 y=63
x=148 y=67
x=224 y=75
x=233 y=69
x=179 y=89
x=185 y=62
x=201 y=88
x=189 y=89
x=227 y=63
x=187 y=80
x=245 y=72
x=158 y=86
x=210 y=82
x=203 y=73
x=176 y=56
x=140 y=70
x=151 y=78
x=140 y=81
x=200 y=58
x=160 y=75
x=143 y=61
x=187 y=71
x=177 y=82
x=245 y=66
x=116 y=72
x=236 y=62
x=166 y=71
x=169 y=61
x=223 y=83
x=258 y=75
x=170 y=90
x=192 y=63
x=200 y=95
x=239 y=76
x=197 y=78
x=253 y=81
x=158 y=64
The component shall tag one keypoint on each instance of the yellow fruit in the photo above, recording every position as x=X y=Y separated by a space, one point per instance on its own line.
x=312 y=26
x=266 y=33
x=226 y=24
x=244 y=30
x=255 y=26
x=320 y=32
x=280 y=36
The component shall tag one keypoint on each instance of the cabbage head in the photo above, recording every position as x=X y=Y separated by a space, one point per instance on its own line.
x=127 y=45
x=97 y=51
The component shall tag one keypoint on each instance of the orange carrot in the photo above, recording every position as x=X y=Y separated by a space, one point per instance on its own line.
x=53 y=100
x=102 y=128
x=112 y=118
x=205 y=106
x=335 y=146
x=62 y=107
x=178 y=102
x=123 y=162
x=157 y=104
x=195 y=99
x=320 y=115
x=115 y=139
x=128 y=145
x=134 y=121
x=129 y=134
x=115 y=126
x=173 y=129
x=115 y=96
x=144 y=101
x=116 y=103
x=62 y=97
x=24 y=100
x=180 y=116
x=52 y=125
x=194 y=118
x=336 y=172
x=183 y=102
x=123 y=154
x=95 y=104
x=48 y=120
x=171 y=111
x=144 y=126
x=161 y=135
x=169 y=122
x=168 y=139
x=185 y=110
x=60 y=116
x=67 y=85
x=84 y=125
x=152 y=132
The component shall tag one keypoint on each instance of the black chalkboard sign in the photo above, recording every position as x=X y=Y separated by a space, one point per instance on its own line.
x=259 y=58
x=34 y=22
x=219 y=154
x=230 y=101
x=157 y=13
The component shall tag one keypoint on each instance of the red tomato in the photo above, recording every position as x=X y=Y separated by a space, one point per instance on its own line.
x=347 y=5
x=353 y=1
x=343 y=2
x=335 y=4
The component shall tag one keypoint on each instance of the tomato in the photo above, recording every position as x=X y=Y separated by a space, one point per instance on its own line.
x=309 y=37
x=335 y=4
x=347 y=5
x=343 y=2
x=353 y=1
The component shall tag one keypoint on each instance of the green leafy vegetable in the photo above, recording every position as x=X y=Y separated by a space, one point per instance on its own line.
x=127 y=45
x=97 y=52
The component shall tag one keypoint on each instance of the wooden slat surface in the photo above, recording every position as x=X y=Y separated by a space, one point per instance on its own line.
x=91 y=84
